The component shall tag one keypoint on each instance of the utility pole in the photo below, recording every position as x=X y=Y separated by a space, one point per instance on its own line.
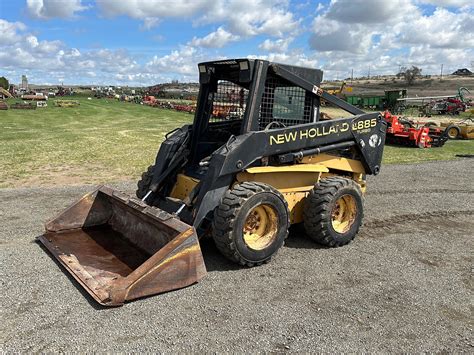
x=352 y=75
x=369 y=73
x=441 y=74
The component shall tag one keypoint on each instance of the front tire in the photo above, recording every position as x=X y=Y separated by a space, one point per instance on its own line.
x=251 y=223
x=333 y=212
x=143 y=185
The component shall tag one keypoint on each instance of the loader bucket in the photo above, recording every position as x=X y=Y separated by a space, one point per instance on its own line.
x=120 y=249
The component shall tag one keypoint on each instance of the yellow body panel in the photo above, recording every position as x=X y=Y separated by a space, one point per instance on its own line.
x=293 y=181
x=184 y=185
x=467 y=131
x=296 y=181
x=283 y=181
x=333 y=162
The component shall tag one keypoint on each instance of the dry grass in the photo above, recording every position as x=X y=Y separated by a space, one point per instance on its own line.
x=102 y=141
x=98 y=141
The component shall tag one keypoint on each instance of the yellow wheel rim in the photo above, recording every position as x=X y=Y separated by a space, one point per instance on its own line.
x=260 y=227
x=344 y=213
x=453 y=132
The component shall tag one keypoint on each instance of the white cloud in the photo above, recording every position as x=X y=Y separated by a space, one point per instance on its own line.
x=448 y=3
x=240 y=17
x=278 y=46
x=359 y=34
x=344 y=35
x=141 y=9
x=369 y=11
x=350 y=25
x=293 y=58
x=443 y=29
x=356 y=34
x=182 y=61
x=10 y=31
x=53 y=59
x=252 y=17
x=48 y=9
x=149 y=23
x=216 y=39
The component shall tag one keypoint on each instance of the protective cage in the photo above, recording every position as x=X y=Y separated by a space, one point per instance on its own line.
x=285 y=104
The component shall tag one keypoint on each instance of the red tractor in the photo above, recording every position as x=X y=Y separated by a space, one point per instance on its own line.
x=401 y=131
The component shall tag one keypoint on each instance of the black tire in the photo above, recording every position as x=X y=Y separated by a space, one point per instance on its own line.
x=453 y=132
x=319 y=208
x=232 y=214
x=143 y=185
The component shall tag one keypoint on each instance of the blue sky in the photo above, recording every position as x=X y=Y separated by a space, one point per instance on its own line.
x=142 y=42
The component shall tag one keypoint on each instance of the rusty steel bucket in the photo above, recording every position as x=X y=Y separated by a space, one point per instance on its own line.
x=119 y=248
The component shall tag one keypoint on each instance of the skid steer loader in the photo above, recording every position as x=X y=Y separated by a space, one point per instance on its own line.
x=242 y=177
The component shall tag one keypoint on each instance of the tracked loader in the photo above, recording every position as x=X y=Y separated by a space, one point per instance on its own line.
x=242 y=177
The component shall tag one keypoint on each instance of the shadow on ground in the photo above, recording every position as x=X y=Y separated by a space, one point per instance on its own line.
x=213 y=259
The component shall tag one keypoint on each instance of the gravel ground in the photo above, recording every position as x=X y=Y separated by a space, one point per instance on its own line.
x=405 y=284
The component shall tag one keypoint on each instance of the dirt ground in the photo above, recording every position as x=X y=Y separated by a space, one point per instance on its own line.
x=404 y=285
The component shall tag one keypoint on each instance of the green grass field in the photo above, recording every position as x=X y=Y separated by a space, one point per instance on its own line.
x=98 y=141
x=105 y=140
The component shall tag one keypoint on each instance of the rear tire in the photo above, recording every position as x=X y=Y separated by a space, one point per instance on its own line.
x=143 y=185
x=333 y=212
x=251 y=223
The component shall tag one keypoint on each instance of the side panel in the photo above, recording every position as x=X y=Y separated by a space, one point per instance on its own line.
x=183 y=186
x=295 y=181
x=367 y=131
x=336 y=163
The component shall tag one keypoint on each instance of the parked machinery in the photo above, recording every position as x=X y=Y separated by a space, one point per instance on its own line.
x=462 y=129
x=391 y=100
x=401 y=131
x=242 y=178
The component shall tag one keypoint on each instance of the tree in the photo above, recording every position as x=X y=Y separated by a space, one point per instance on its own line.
x=4 y=83
x=411 y=74
x=401 y=72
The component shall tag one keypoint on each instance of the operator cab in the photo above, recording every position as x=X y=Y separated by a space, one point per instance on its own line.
x=225 y=110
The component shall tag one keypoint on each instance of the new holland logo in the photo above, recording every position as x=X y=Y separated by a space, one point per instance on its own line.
x=314 y=132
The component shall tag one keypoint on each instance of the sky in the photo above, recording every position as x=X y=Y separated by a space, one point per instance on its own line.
x=144 y=42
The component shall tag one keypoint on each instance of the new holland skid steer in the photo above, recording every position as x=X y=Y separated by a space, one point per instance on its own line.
x=242 y=175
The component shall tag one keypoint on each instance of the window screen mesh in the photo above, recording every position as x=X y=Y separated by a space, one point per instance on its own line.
x=229 y=102
x=284 y=103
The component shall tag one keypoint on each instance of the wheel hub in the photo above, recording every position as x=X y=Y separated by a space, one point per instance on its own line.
x=344 y=214
x=260 y=227
x=453 y=132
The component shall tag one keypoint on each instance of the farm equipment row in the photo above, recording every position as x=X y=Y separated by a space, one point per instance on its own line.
x=401 y=131
x=438 y=105
x=153 y=102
